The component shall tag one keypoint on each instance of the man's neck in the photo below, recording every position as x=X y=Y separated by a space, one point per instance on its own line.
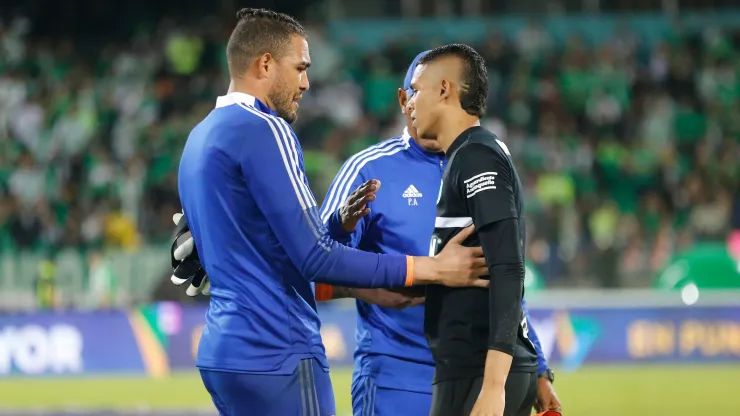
x=453 y=128
x=239 y=85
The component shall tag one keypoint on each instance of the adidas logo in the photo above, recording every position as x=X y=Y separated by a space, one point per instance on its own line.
x=411 y=192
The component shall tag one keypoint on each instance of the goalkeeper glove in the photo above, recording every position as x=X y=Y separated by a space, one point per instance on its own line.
x=185 y=261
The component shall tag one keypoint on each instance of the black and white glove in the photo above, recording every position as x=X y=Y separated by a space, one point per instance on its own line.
x=185 y=261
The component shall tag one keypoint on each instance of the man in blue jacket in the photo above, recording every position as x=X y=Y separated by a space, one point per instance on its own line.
x=393 y=364
x=255 y=223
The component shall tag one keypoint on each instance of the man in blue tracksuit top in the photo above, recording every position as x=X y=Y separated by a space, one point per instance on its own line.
x=256 y=226
x=393 y=364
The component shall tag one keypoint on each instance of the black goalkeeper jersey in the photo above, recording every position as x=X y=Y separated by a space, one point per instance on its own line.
x=479 y=186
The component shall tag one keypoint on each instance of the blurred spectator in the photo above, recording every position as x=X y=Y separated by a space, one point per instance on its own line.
x=102 y=281
x=628 y=150
x=47 y=296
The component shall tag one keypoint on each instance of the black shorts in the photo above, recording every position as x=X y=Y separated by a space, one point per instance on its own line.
x=457 y=397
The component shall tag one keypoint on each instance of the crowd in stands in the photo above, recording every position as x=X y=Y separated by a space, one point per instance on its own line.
x=629 y=152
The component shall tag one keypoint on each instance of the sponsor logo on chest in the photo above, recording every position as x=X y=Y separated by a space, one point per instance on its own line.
x=412 y=195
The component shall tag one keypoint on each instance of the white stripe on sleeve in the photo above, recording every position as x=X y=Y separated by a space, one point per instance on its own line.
x=293 y=153
x=292 y=148
x=290 y=167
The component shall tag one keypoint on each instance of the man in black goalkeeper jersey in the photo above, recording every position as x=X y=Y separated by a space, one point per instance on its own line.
x=485 y=363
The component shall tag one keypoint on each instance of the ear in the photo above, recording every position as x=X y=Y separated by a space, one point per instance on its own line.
x=265 y=63
x=445 y=90
x=402 y=100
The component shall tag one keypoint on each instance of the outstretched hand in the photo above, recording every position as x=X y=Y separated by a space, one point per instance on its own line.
x=355 y=207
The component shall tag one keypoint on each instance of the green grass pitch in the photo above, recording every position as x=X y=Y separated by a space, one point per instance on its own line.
x=604 y=391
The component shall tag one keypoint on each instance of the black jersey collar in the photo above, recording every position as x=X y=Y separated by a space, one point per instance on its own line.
x=462 y=138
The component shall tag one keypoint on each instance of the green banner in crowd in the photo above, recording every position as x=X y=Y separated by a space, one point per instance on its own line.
x=533 y=281
x=707 y=265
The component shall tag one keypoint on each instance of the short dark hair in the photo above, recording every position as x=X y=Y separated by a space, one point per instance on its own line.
x=259 y=31
x=474 y=75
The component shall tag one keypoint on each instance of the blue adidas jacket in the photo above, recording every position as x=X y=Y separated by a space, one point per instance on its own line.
x=391 y=344
x=255 y=222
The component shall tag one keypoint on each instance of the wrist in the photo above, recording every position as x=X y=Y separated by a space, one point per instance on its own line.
x=424 y=271
x=548 y=375
x=336 y=228
x=493 y=384
x=323 y=292
x=340 y=292
x=498 y=365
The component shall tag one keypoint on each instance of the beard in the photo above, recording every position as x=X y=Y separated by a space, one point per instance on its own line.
x=283 y=101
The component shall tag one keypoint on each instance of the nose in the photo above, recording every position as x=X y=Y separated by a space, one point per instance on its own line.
x=305 y=84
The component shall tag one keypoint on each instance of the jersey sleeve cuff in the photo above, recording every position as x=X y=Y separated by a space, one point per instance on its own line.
x=324 y=292
x=502 y=347
x=409 y=271
x=542 y=370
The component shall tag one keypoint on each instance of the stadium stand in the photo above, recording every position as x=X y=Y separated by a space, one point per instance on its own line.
x=628 y=148
x=623 y=122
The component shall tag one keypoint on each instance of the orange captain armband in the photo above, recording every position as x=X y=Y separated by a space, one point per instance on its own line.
x=549 y=413
x=324 y=292
x=409 y=271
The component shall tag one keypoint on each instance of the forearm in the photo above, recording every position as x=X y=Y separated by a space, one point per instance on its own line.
x=388 y=271
x=501 y=246
x=497 y=369
x=321 y=259
x=505 y=310
x=504 y=306
x=340 y=292
x=347 y=267
x=500 y=243
x=326 y=292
